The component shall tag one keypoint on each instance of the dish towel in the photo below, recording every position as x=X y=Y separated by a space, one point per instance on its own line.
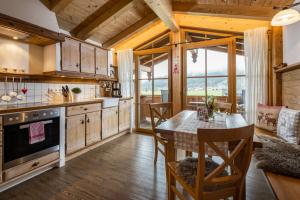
x=36 y=132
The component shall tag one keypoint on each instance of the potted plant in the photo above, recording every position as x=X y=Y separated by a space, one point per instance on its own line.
x=76 y=91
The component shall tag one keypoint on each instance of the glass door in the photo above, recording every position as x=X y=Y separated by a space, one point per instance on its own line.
x=208 y=71
x=152 y=85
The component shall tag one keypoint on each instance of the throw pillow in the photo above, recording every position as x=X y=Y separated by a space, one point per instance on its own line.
x=267 y=117
x=289 y=125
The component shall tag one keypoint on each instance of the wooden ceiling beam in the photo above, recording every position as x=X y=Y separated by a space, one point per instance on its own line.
x=241 y=11
x=58 y=5
x=130 y=30
x=163 y=9
x=86 y=28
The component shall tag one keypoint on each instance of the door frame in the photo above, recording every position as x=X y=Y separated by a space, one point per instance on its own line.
x=231 y=43
x=166 y=49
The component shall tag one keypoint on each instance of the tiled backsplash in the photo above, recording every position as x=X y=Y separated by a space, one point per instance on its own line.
x=39 y=92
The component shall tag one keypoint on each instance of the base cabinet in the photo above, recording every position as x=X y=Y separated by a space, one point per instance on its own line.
x=124 y=115
x=109 y=122
x=75 y=133
x=93 y=127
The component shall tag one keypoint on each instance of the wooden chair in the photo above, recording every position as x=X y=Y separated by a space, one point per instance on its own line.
x=159 y=113
x=212 y=183
x=224 y=107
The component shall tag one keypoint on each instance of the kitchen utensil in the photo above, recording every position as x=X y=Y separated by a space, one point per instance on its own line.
x=24 y=89
x=6 y=97
x=13 y=94
x=19 y=96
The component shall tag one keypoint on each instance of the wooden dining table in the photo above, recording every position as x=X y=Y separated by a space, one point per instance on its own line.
x=168 y=129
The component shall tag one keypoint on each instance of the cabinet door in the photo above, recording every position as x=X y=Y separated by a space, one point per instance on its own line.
x=93 y=127
x=70 y=58
x=75 y=134
x=109 y=122
x=87 y=58
x=101 y=61
x=124 y=115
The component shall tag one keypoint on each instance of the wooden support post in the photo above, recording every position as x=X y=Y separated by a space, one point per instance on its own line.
x=277 y=58
x=176 y=72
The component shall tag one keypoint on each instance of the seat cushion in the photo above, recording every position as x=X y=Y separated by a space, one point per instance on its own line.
x=289 y=125
x=187 y=169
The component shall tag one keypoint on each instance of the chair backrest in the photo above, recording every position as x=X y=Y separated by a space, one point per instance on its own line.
x=164 y=96
x=224 y=107
x=159 y=113
x=240 y=143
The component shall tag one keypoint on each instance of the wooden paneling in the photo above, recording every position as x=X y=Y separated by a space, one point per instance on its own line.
x=87 y=58
x=101 y=61
x=70 y=54
x=237 y=10
x=291 y=89
x=109 y=122
x=123 y=35
x=124 y=115
x=29 y=166
x=58 y=5
x=93 y=127
x=85 y=29
x=75 y=133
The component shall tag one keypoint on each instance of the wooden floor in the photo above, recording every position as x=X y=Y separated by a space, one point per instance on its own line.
x=119 y=170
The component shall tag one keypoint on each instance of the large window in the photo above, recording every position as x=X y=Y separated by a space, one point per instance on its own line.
x=211 y=71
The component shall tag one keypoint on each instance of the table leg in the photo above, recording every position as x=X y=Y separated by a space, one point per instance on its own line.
x=170 y=157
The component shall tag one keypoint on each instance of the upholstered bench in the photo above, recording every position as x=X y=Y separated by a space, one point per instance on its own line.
x=284 y=187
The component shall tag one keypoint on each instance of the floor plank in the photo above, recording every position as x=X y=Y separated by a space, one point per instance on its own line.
x=122 y=169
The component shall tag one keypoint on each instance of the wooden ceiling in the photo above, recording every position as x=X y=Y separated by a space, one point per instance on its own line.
x=114 y=23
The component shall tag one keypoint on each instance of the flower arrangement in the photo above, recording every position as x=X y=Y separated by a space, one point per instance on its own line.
x=211 y=106
x=76 y=90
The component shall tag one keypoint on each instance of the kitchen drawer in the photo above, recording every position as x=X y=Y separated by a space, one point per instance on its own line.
x=77 y=110
x=29 y=166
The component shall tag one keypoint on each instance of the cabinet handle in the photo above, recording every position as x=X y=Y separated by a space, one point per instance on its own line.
x=87 y=120
x=77 y=65
x=35 y=164
x=82 y=121
x=85 y=109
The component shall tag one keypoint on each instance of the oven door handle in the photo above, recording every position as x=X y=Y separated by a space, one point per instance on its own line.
x=44 y=122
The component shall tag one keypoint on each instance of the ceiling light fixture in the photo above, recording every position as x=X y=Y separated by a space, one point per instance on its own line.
x=15 y=38
x=286 y=16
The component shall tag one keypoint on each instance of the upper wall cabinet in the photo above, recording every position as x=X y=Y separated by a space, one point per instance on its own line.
x=70 y=55
x=87 y=57
x=101 y=61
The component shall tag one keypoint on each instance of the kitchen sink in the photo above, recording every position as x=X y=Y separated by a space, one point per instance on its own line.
x=109 y=102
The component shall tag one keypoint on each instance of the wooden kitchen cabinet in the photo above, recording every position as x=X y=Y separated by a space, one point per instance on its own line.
x=124 y=115
x=87 y=58
x=93 y=127
x=101 y=61
x=75 y=133
x=70 y=55
x=109 y=122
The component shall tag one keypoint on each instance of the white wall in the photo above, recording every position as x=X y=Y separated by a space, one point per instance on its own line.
x=32 y=11
x=291 y=42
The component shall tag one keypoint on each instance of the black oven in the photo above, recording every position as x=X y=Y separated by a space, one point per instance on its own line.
x=16 y=143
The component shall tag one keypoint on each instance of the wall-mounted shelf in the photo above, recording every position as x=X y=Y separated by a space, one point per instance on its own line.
x=61 y=77
x=288 y=68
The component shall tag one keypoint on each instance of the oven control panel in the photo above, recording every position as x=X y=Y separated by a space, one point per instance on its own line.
x=36 y=115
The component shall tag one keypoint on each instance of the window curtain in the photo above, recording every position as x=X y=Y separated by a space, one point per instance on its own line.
x=125 y=72
x=256 y=55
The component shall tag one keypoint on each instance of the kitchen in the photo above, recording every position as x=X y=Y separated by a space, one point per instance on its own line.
x=67 y=88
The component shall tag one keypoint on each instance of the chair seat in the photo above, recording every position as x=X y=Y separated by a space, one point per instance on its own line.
x=187 y=170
